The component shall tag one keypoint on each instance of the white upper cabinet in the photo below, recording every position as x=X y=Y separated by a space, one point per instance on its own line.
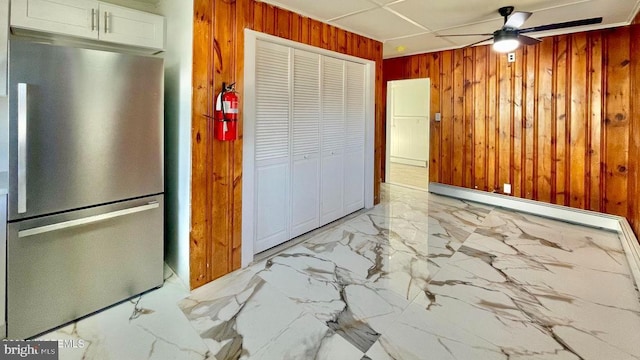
x=65 y=17
x=90 y=20
x=132 y=27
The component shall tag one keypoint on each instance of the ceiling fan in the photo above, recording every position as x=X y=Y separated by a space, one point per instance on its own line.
x=509 y=37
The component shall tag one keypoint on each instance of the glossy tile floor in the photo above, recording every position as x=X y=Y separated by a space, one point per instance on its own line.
x=402 y=174
x=418 y=277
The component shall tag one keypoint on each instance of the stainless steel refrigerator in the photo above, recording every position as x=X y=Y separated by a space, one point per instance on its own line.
x=85 y=219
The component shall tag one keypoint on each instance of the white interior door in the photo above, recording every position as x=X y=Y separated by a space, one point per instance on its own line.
x=272 y=158
x=409 y=122
x=354 y=142
x=305 y=177
x=332 y=140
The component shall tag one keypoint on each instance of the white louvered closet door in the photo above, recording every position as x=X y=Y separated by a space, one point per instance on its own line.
x=355 y=133
x=305 y=121
x=332 y=141
x=272 y=158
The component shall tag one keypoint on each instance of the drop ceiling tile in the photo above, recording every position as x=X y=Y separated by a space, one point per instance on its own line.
x=379 y=24
x=487 y=27
x=415 y=44
x=611 y=14
x=437 y=15
x=325 y=9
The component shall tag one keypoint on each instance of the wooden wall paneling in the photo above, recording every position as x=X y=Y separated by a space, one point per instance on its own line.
x=561 y=124
x=504 y=125
x=220 y=260
x=517 y=124
x=479 y=117
x=423 y=67
x=595 y=144
x=414 y=67
x=315 y=33
x=269 y=19
x=560 y=150
x=446 y=125
x=283 y=23
x=295 y=28
x=617 y=100
x=326 y=36
x=459 y=138
x=578 y=102
x=380 y=128
x=468 y=101
x=433 y=73
x=244 y=19
x=305 y=30
x=529 y=68
x=200 y=147
x=218 y=49
x=341 y=41
x=634 y=130
x=545 y=120
x=333 y=38
x=491 y=114
x=258 y=17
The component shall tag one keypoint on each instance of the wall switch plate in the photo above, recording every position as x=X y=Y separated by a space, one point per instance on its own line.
x=438 y=116
x=506 y=188
x=511 y=57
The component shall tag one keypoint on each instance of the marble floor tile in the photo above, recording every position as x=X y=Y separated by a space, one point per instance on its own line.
x=150 y=326
x=526 y=288
x=420 y=276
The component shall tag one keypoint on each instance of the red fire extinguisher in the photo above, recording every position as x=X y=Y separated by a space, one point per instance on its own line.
x=226 y=114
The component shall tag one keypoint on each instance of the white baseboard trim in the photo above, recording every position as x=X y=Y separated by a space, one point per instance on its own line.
x=577 y=216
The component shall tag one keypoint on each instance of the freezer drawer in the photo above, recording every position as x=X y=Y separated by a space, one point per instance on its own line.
x=65 y=266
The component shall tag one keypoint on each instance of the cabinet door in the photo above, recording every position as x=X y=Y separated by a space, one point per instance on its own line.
x=131 y=27
x=354 y=141
x=272 y=146
x=332 y=141
x=306 y=142
x=65 y=17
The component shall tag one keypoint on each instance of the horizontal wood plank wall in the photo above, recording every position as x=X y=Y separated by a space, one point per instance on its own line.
x=218 y=53
x=560 y=124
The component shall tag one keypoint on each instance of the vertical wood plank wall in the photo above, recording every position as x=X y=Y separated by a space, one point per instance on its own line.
x=218 y=53
x=561 y=124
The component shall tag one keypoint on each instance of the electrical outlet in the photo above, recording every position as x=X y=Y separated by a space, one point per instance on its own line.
x=438 y=116
x=511 y=57
x=506 y=188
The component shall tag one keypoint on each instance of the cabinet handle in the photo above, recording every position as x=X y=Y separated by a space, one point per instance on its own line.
x=22 y=148
x=93 y=19
x=106 y=21
x=87 y=220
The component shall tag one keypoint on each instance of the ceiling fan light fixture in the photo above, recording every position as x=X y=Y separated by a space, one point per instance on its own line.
x=505 y=41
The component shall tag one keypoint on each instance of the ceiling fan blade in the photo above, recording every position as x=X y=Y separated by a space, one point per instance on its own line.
x=567 y=24
x=528 y=40
x=478 y=42
x=464 y=35
x=517 y=19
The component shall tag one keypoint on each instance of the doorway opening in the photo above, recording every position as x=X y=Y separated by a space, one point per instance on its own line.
x=407 y=155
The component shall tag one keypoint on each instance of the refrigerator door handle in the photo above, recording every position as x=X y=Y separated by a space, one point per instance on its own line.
x=22 y=147
x=87 y=220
